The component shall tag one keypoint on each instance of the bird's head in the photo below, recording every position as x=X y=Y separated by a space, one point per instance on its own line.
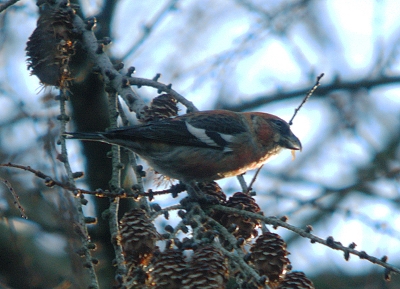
x=272 y=128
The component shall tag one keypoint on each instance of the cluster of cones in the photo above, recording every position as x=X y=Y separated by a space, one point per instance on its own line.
x=200 y=260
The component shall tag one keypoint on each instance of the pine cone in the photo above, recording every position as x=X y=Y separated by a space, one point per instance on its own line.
x=51 y=45
x=214 y=191
x=169 y=270
x=207 y=270
x=162 y=106
x=296 y=280
x=245 y=226
x=137 y=237
x=269 y=256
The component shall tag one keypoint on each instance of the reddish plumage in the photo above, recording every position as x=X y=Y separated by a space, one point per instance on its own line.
x=204 y=146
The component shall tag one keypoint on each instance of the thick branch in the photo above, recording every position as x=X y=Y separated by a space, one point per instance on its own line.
x=104 y=66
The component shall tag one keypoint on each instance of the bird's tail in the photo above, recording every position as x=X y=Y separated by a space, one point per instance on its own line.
x=95 y=136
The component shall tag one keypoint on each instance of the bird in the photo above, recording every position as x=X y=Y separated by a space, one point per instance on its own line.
x=203 y=146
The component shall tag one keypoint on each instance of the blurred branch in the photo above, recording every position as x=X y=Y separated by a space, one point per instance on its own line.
x=323 y=90
x=105 y=18
x=336 y=205
x=4 y=6
x=148 y=28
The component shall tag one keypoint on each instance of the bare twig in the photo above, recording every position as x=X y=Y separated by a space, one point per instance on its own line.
x=163 y=211
x=78 y=202
x=165 y=88
x=242 y=183
x=308 y=95
x=238 y=256
x=16 y=198
x=254 y=179
x=247 y=188
x=115 y=184
x=50 y=182
x=245 y=268
x=174 y=190
x=329 y=242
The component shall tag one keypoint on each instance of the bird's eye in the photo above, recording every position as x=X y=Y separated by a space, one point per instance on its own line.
x=279 y=123
x=282 y=126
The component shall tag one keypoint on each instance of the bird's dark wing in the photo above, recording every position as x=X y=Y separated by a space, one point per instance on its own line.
x=206 y=129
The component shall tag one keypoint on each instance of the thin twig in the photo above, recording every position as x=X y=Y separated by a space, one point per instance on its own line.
x=242 y=183
x=254 y=179
x=308 y=95
x=238 y=256
x=329 y=242
x=163 y=88
x=139 y=180
x=167 y=209
x=245 y=268
x=115 y=184
x=84 y=234
x=174 y=190
x=16 y=198
x=50 y=182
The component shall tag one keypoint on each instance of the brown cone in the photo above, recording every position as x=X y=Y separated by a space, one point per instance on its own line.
x=268 y=254
x=137 y=237
x=245 y=226
x=169 y=270
x=162 y=106
x=51 y=45
x=296 y=280
x=213 y=190
x=207 y=270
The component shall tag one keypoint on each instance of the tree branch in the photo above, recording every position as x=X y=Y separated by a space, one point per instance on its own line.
x=323 y=90
x=329 y=242
x=7 y=4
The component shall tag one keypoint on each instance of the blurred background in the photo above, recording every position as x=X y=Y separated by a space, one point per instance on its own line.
x=242 y=55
